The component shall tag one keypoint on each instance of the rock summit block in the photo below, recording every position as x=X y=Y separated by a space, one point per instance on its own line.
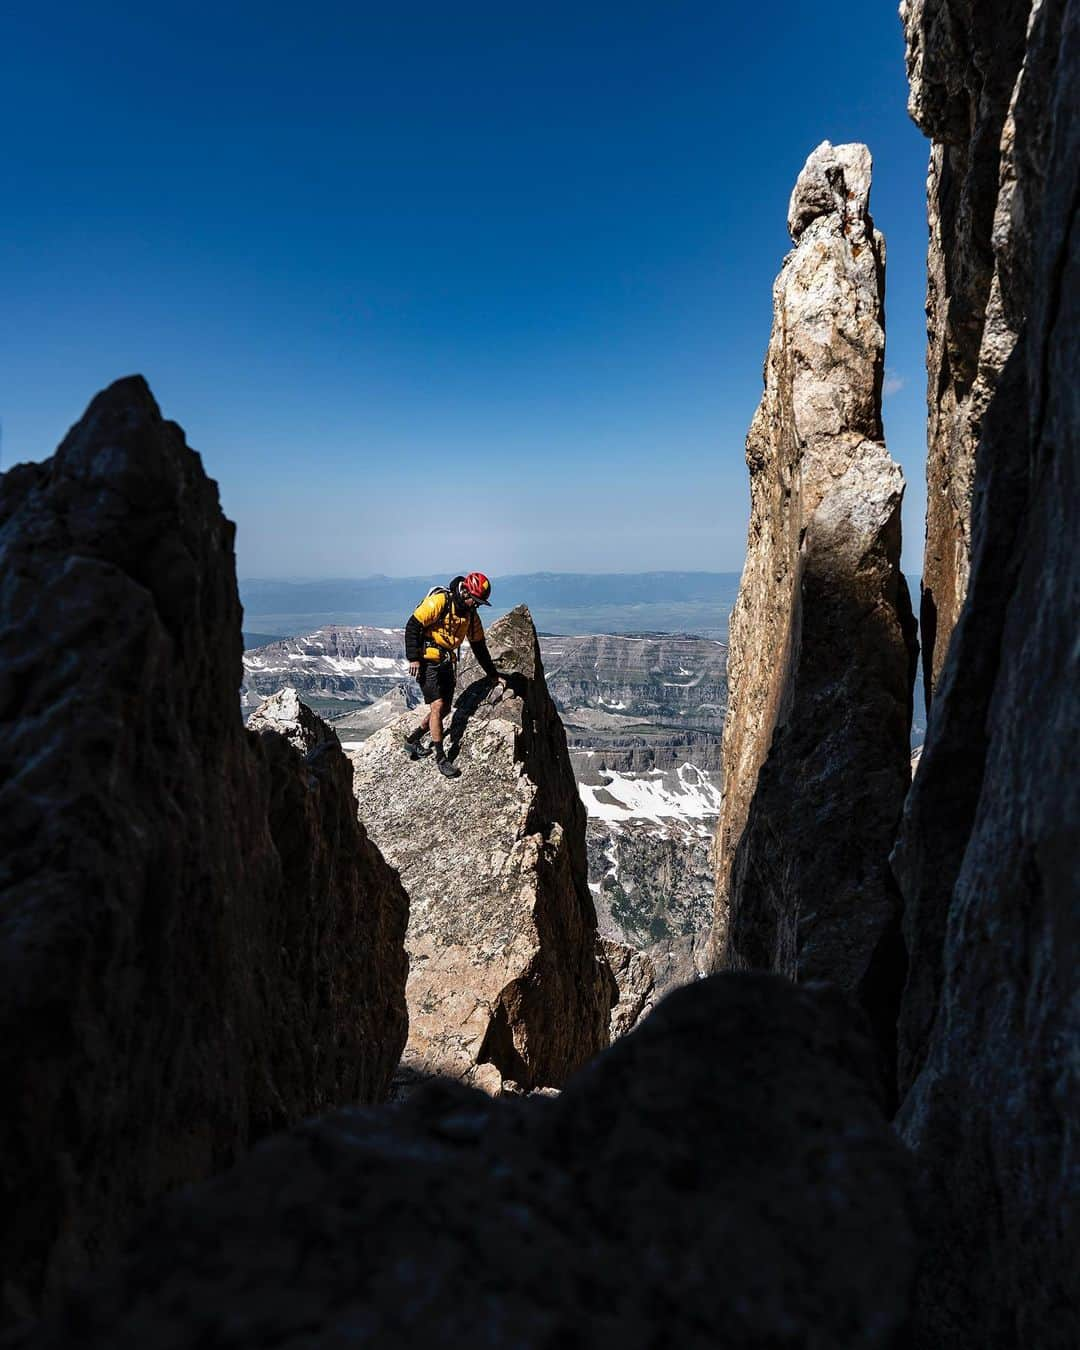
x=506 y=980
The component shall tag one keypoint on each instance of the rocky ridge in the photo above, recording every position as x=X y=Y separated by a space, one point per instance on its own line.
x=199 y=944
x=507 y=980
x=816 y=755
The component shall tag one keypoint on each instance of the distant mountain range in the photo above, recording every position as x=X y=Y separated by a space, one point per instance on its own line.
x=560 y=602
x=572 y=603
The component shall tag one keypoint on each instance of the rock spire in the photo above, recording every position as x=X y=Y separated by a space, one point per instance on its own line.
x=507 y=980
x=816 y=759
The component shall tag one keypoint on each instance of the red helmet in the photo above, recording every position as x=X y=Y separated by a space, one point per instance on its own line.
x=478 y=586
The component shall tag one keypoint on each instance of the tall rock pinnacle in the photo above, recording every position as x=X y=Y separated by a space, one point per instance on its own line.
x=507 y=980
x=816 y=760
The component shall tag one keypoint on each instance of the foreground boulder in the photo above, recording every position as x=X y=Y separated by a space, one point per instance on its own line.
x=198 y=944
x=506 y=977
x=989 y=853
x=816 y=755
x=722 y=1176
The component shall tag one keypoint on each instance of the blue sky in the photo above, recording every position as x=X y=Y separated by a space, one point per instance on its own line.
x=434 y=287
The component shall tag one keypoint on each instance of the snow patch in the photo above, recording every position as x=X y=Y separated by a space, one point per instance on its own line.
x=655 y=797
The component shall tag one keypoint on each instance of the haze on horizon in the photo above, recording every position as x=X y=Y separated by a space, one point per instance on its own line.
x=476 y=284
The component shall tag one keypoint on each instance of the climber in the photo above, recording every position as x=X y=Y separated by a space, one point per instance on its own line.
x=445 y=617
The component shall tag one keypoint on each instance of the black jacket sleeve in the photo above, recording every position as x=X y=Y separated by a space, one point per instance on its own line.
x=483 y=657
x=414 y=639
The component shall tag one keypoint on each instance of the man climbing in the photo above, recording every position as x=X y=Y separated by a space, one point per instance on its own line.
x=440 y=623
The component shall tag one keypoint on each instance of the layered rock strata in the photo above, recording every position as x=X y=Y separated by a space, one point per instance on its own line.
x=506 y=978
x=722 y=1176
x=965 y=64
x=816 y=754
x=989 y=852
x=199 y=945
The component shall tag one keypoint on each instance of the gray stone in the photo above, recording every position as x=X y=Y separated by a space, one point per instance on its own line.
x=636 y=981
x=185 y=967
x=965 y=63
x=506 y=977
x=721 y=1176
x=989 y=853
x=816 y=752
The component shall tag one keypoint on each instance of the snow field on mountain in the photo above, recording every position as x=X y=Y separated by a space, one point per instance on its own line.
x=686 y=795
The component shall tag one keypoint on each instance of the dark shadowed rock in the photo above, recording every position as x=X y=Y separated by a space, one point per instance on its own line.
x=722 y=1176
x=506 y=977
x=989 y=853
x=816 y=753
x=198 y=946
x=964 y=58
x=348 y=916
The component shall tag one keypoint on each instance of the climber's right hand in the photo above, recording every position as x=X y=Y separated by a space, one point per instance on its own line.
x=414 y=668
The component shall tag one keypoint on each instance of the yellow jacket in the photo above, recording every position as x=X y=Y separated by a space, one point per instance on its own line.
x=444 y=629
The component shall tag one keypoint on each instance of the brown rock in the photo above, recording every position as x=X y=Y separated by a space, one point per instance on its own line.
x=989 y=853
x=185 y=970
x=722 y=1176
x=816 y=755
x=506 y=979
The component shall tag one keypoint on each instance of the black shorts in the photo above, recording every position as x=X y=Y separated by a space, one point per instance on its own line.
x=436 y=680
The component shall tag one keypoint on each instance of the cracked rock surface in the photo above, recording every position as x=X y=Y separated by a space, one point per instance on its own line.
x=972 y=80
x=816 y=753
x=506 y=977
x=988 y=857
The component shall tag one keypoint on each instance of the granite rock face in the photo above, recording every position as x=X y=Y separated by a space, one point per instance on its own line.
x=816 y=754
x=722 y=1176
x=988 y=857
x=506 y=980
x=186 y=966
x=966 y=67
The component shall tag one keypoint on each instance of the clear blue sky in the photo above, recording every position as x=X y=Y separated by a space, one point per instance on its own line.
x=431 y=286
